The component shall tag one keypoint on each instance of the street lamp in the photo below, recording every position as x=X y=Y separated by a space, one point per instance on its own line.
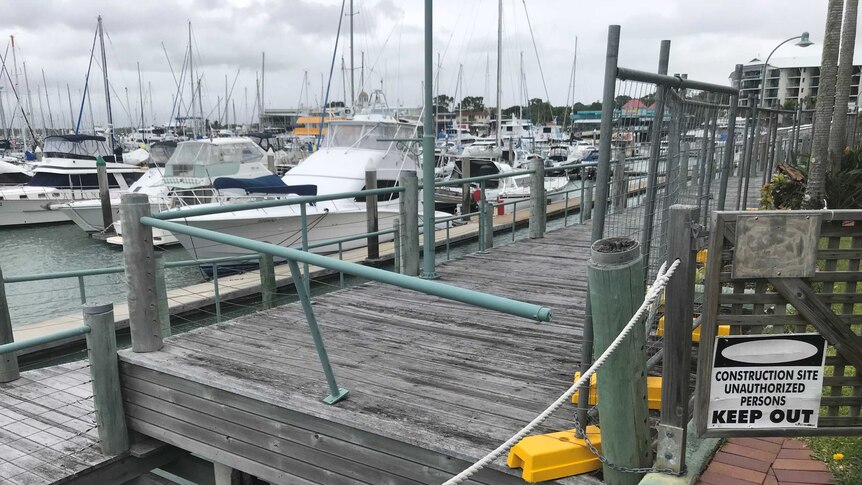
x=803 y=42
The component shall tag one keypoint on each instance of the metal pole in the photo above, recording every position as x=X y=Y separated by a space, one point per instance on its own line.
x=216 y=296
x=499 y=69
x=105 y=196
x=396 y=245
x=619 y=182
x=538 y=204
x=602 y=179
x=335 y=393
x=8 y=361
x=607 y=125
x=488 y=233
x=710 y=170
x=654 y=154
x=428 y=154
x=139 y=257
x=466 y=196
x=105 y=374
x=676 y=366
x=371 y=221
x=409 y=208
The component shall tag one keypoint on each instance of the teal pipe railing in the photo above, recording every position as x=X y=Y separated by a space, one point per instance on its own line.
x=483 y=300
x=44 y=339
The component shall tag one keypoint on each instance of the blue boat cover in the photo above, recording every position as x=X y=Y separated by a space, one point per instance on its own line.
x=268 y=184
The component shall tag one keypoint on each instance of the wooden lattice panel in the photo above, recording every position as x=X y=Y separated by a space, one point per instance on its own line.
x=754 y=306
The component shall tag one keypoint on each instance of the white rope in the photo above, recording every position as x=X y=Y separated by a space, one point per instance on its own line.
x=652 y=295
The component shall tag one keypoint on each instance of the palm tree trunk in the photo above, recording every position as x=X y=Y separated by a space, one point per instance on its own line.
x=838 y=136
x=815 y=189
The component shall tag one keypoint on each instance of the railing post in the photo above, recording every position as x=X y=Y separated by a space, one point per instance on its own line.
x=397 y=257
x=9 y=361
x=216 y=295
x=139 y=257
x=709 y=175
x=105 y=195
x=684 y=160
x=267 y=281
x=162 y=296
x=82 y=291
x=371 y=213
x=676 y=367
x=335 y=393
x=587 y=200
x=729 y=145
x=616 y=290
x=619 y=182
x=538 y=202
x=409 y=208
x=603 y=174
x=105 y=374
x=488 y=232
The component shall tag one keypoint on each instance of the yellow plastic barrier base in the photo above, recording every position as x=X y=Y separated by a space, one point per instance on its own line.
x=555 y=455
x=653 y=391
x=695 y=334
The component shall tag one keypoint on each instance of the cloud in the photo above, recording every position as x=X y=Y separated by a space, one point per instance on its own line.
x=298 y=36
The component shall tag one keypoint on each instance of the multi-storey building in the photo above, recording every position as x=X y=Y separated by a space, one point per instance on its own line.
x=788 y=78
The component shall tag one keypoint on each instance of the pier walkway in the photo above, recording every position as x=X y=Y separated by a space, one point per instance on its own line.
x=434 y=384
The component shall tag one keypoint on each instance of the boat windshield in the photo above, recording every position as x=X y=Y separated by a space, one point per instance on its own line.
x=203 y=159
x=86 y=149
x=366 y=135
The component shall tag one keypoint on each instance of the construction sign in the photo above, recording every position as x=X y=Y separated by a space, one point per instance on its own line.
x=766 y=381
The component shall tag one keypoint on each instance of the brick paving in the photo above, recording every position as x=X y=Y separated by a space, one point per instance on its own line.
x=765 y=461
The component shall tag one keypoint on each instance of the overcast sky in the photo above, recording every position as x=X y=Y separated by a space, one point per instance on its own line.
x=708 y=38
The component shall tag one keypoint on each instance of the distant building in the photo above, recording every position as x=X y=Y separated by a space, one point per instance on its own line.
x=788 y=78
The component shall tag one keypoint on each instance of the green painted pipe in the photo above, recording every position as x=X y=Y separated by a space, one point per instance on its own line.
x=44 y=339
x=491 y=302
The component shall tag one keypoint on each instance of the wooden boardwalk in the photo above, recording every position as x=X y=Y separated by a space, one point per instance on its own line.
x=434 y=384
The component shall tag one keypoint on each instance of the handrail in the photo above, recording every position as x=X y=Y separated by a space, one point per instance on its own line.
x=483 y=300
x=44 y=339
x=120 y=269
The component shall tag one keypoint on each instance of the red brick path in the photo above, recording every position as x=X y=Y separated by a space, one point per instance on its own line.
x=764 y=461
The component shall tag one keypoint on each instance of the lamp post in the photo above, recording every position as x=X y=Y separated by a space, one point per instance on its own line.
x=803 y=42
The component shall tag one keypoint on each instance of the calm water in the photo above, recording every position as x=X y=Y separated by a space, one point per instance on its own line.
x=65 y=247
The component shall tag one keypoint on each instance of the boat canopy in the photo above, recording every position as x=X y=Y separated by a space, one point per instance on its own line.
x=268 y=184
x=160 y=152
x=84 y=147
x=366 y=135
x=205 y=159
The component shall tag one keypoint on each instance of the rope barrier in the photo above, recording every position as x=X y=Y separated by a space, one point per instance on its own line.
x=653 y=294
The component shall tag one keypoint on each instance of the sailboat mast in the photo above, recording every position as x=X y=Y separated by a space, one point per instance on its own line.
x=3 y=114
x=29 y=97
x=262 y=86
x=71 y=111
x=107 y=86
x=499 y=68
x=90 y=107
x=192 y=84
x=47 y=101
x=17 y=90
x=141 y=94
x=352 y=88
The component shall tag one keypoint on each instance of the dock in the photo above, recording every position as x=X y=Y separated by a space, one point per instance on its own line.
x=434 y=384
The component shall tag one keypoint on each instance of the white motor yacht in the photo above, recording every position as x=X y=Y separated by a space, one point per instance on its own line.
x=13 y=174
x=67 y=173
x=191 y=172
x=351 y=147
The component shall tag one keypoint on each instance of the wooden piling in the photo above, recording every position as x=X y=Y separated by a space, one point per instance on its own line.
x=139 y=257
x=409 y=208
x=267 y=281
x=538 y=202
x=9 y=361
x=676 y=364
x=466 y=195
x=616 y=290
x=372 y=217
x=488 y=230
x=104 y=370
x=105 y=195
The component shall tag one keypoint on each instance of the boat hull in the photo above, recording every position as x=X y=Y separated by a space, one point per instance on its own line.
x=26 y=212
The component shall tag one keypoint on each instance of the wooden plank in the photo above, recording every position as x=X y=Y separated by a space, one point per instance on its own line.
x=382 y=441
x=806 y=302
